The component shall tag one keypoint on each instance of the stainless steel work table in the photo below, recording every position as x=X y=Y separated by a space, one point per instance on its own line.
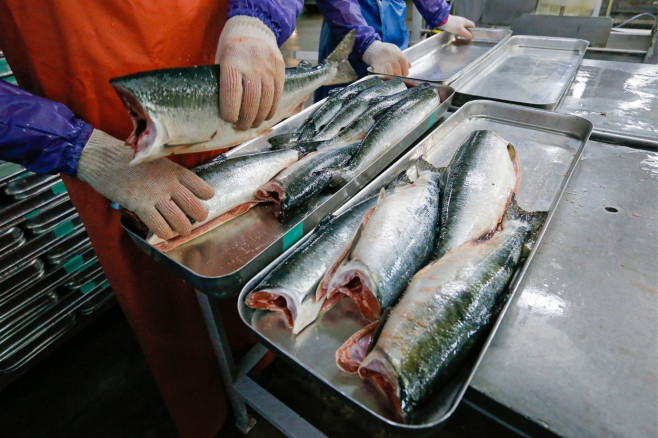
x=576 y=352
x=619 y=98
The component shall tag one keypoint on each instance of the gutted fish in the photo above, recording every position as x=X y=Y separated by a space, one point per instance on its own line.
x=391 y=127
x=306 y=178
x=441 y=315
x=176 y=111
x=479 y=183
x=235 y=181
x=357 y=105
x=290 y=287
x=395 y=242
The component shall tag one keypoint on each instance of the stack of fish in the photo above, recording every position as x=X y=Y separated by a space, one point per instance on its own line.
x=426 y=320
x=345 y=135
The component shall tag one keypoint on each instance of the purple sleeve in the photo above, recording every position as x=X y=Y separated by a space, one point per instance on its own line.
x=435 y=12
x=345 y=15
x=279 y=15
x=41 y=135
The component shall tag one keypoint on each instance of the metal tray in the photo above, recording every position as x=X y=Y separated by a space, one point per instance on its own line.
x=443 y=58
x=31 y=272
x=219 y=262
x=84 y=276
x=47 y=220
x=549 y=146
x=14 y=260
x=8 y=171
x=619 y=98
x=20 y=211
x=533 y=71
x=63 y=251
x=96 y=299
x=24 y=186
x=10 y=239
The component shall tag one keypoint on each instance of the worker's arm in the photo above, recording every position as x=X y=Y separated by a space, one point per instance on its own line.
x=252 y=67
x=437 y=15
x=45 y=137
x=345 y=15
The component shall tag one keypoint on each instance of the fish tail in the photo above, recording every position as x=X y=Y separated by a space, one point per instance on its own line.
x=534 y=219
x=339 y=56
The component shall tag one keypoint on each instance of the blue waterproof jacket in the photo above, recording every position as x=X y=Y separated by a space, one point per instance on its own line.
x=46 y=137
x=382 y=20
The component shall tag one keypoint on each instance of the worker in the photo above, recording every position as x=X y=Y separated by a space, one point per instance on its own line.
x=381 y=31
x=66 y=52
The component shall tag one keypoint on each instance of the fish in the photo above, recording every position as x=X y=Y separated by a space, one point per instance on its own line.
x=357 y=105
x=290 y=287
x=235 y=180
x=176 y=111
x=479 y=183
x=419 y=103
x=442 y=314
x=392 y=245
x=332 y=105
x=304 y=179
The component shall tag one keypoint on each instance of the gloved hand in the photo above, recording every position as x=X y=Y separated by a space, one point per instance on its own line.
x=386 y=58
x=160 y=192
x=458 y=26
x=252 y=72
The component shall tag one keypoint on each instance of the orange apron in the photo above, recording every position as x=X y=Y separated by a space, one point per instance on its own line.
x=67 y=50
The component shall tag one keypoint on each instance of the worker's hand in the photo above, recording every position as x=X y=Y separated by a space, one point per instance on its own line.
x=458 y=26
x=251 y=71
x=386 y=58
x=160 y=192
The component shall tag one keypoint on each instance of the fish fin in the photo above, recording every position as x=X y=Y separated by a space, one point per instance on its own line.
x=280 y=141
x=400 y=179
x=306 y=147
x=382 y=195
x=334 y=91
x=304 y=65
x=425 y=166
x=339 y=56
x=534 y=219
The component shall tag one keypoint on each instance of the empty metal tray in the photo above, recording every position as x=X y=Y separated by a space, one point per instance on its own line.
x=533 y=71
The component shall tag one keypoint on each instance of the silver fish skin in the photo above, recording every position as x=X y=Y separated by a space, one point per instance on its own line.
x=481 y=179
x=290 y=287
x=388 y=130
x=357 y=105
x=394 y=243
x=176 y=111
x=332 y=106
x=235 y=181
x=446 y=307
x=307 y=177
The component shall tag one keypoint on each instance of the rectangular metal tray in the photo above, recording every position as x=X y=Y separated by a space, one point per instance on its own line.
x=219 y=262
x=549 y=146
x=619 y=98
x=444 y=57
x=527 y=70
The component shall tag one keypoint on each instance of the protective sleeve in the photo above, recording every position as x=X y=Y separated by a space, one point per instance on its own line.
x=41 y=135
x=345 y=15
x=434 y=12
x=279 y=15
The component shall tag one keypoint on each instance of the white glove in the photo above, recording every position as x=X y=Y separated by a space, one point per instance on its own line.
x=252 y=72
x=458 y=26
x=386 y=58
x=160 y=192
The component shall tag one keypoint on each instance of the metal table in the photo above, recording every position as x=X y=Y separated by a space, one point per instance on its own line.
x=577 y=351
x=619 y=98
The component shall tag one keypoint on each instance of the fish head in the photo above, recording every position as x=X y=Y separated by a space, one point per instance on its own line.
x=148 y=129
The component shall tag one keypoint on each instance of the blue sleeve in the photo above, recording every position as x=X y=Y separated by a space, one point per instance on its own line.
x=433 y=11
x=345 y=15
x=279 y=15
x=41 y=135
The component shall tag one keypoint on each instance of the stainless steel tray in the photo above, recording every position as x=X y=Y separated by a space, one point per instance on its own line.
x=96 y=299
x=8 y=171
x=63 y=251
x=21 y=278
x=528 y=70
x=219 y=262
x=549 y=146
x=20 y=211
x=89 y=273
x=21 y=188
x=46 y=220
x=10 y=239
x=619 y=98
x=444 y=57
